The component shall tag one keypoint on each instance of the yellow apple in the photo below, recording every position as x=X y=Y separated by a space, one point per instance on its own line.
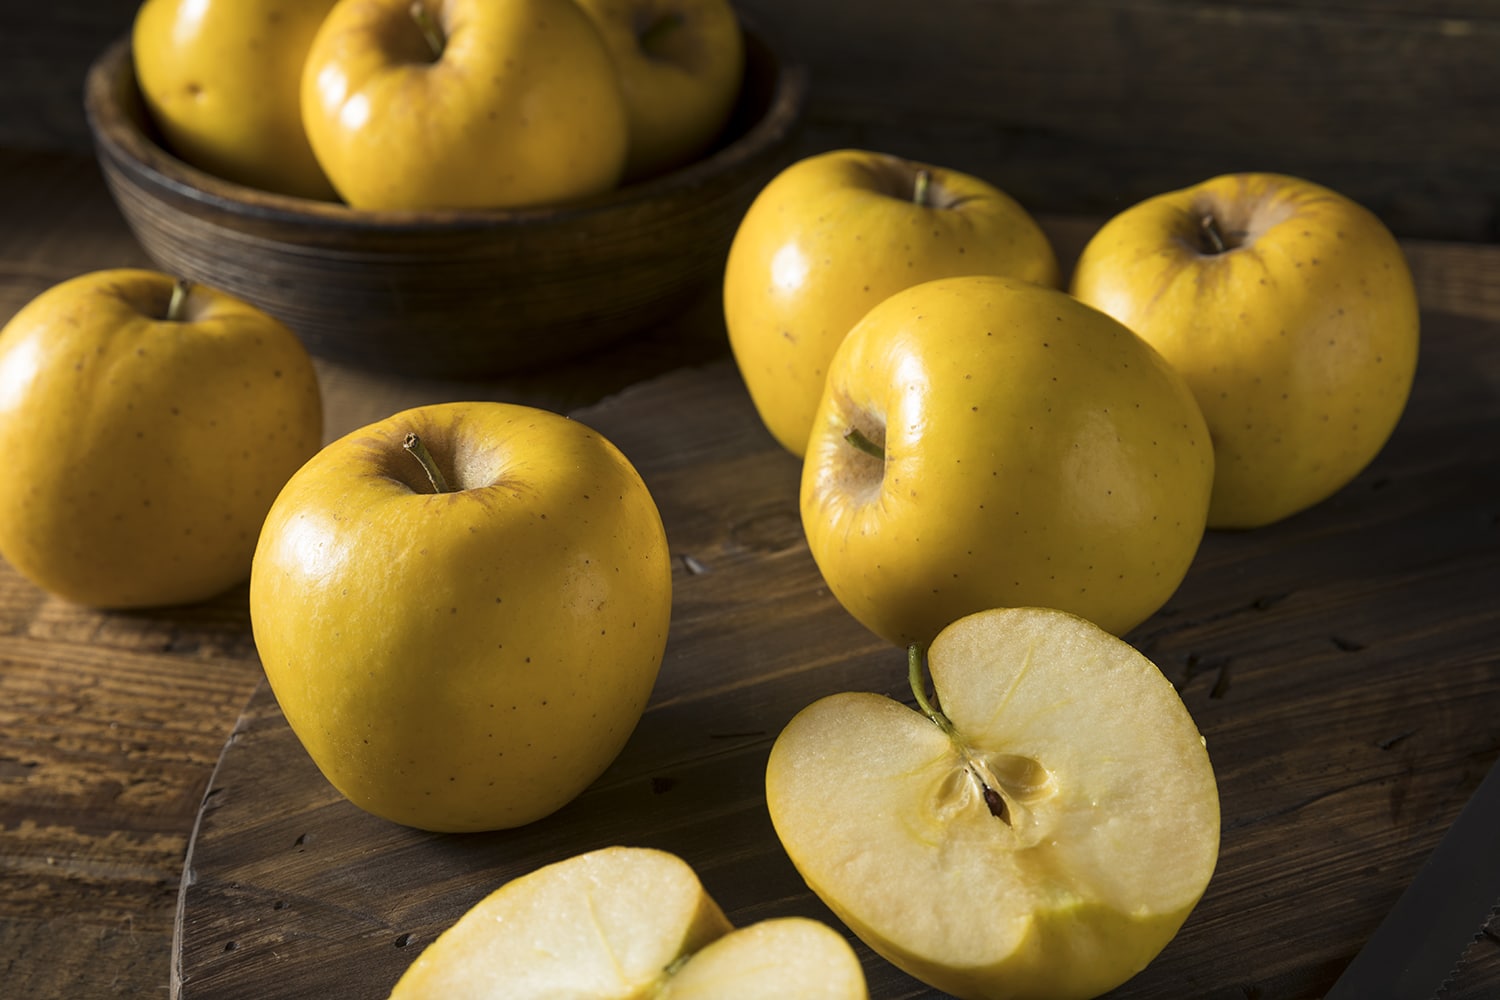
x=681 y=63
x=463 y=104
x=222 y=81
x=1291 y=312
x=461 y=610
x=1013 y=447
x=626 y=922
x=147 y=426
x=1041 y=834
x=834 y=234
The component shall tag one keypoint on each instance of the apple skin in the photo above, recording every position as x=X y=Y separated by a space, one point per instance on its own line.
x=1300 y=340
x=834 y=234
x=222 y=80
x=1108 y=838
x=522 y=108
x=1036 y=453
x=681 y=64
x=143 y=452
x=469 y=660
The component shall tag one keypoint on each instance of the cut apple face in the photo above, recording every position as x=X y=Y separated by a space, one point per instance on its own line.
x=1044 y=835
x=626 y=923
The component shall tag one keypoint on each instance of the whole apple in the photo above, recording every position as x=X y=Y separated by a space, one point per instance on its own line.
x=652 y=931
x=984 y=442
x=1040 y=833
x=148 y=425
x=222 y=80
x=461 y=610
x=681 y=63
x=1291 y=312
x=834 y=234
x=463 y=104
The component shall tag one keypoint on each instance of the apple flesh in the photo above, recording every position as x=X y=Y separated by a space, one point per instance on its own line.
x=1043 y=835
x=624 y=922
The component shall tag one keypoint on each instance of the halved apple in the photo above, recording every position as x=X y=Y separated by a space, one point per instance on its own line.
x=626 y=922
x=1044 y=835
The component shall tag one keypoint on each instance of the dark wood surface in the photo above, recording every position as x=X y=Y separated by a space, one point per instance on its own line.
x=1342 y=666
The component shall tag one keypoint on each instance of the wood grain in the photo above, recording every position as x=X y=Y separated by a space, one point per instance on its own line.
x=1340 y=665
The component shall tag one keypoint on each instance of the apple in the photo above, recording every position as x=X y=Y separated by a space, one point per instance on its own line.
x=222 y=81
x=681 y=63
x=463 y=104
x=461 y=610
x=626 y=922
x=1289 y=309
x=147 y=426
x=985 y=442
x=833 y=235
x=1042 y=832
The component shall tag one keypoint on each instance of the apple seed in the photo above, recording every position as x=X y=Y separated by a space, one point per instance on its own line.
x=992 y=798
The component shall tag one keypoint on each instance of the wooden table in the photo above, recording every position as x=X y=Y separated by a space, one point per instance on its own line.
x=111 y=724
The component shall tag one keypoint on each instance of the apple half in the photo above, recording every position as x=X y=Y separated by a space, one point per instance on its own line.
x=626 y=923
x=1043 y=835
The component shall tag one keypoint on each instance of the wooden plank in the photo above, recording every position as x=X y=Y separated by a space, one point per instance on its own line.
x=1340 y=665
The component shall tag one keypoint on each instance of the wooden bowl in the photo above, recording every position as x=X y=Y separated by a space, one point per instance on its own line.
x=449 y=293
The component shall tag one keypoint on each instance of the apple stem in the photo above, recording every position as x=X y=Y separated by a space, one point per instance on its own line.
x=993 y=800
x=428 y=28
x=914 y=676
x=1210 y=227
x=920 y=188
x=419 y=451
x=178 y=301
x=864 y=444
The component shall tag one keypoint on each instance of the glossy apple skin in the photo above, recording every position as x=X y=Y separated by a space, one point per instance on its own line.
x=829 y=238
x=1301 y=344
x=1036 y=453
x=222 y=80
x=142 y=454
x=681 y=63
x=522 y=108
x=1108 y=840
x=469 y=660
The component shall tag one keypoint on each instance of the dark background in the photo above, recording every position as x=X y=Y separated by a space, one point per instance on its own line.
x=1073 y=107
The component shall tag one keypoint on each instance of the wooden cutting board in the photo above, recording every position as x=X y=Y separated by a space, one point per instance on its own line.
x=1342 y=666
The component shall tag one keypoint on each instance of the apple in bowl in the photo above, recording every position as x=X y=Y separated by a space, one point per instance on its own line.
x=681 y=64
x=463 y=104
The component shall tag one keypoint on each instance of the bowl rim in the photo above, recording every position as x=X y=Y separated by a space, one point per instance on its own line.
x=116 y=135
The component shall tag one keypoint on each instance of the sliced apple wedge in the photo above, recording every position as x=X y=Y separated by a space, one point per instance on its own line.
x=625 y=923
x=1044 y=835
